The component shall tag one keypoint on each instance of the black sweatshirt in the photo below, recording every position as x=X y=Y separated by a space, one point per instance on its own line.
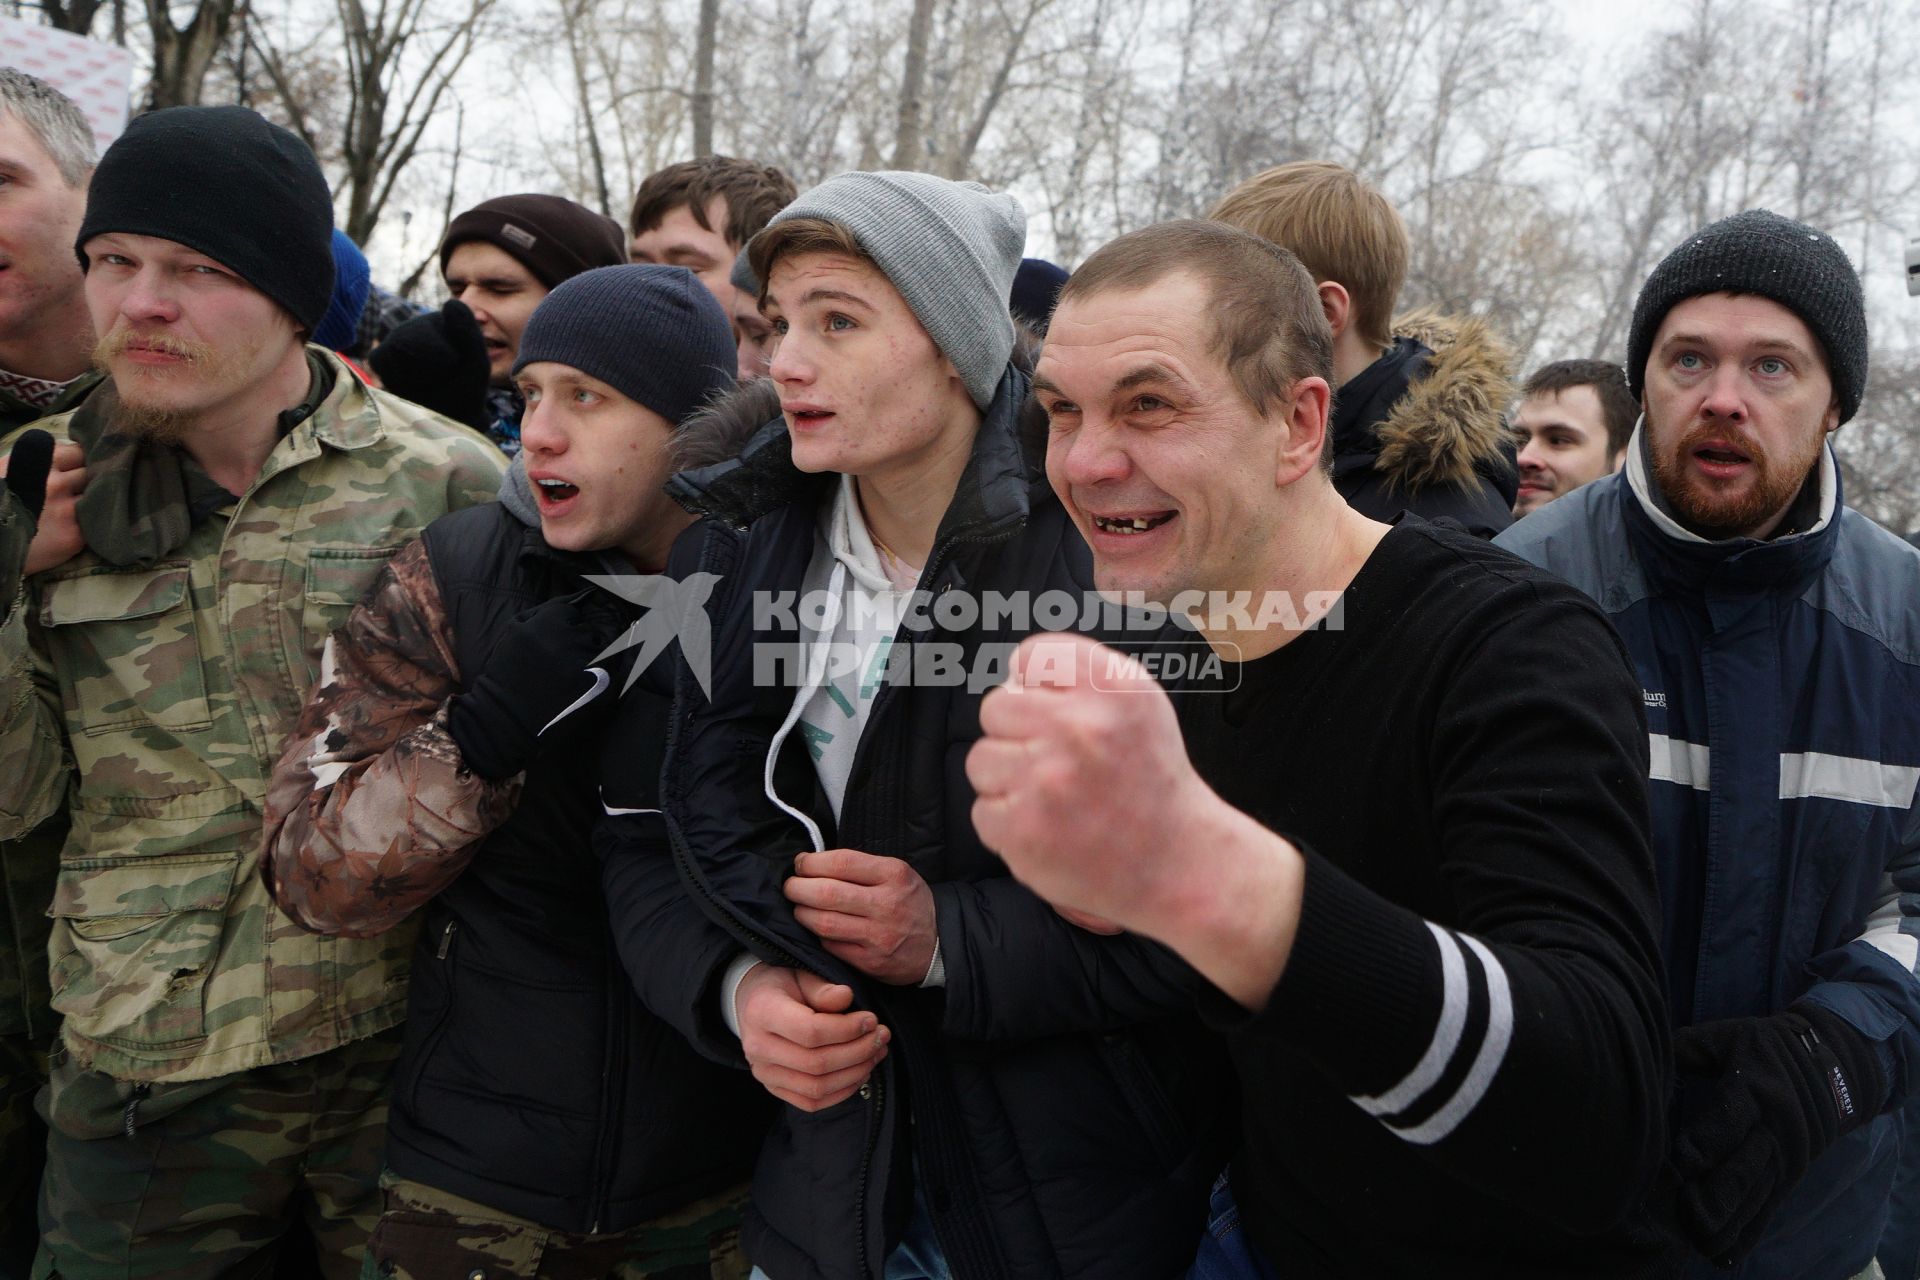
x=1463 y=1070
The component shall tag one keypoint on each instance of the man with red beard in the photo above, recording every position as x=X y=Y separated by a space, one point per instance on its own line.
x=1778 y=647
x=221 y=1076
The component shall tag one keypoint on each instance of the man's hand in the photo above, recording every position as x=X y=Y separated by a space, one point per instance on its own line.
x=874 y=913
x=1085 y=789
x=801 y=1040
x=1784 y=1087
x=537 y=689
x=57 y=538
x=1088 y=921
x=1083 y=781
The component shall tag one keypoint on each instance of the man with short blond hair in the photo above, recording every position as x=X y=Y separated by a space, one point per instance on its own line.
x=1417 y=401
x=222 y=1075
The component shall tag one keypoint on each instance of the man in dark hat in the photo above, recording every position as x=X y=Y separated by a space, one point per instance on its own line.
x=221 y=1073
x=547 y=1113
x=502 y=257
x=1778 y=649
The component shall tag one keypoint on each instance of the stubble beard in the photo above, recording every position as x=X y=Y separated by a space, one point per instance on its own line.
x=159 y=418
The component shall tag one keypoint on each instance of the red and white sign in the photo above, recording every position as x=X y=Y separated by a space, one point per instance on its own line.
x=96 y=76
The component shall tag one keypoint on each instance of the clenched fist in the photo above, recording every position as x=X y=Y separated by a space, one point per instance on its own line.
x=1085 y=789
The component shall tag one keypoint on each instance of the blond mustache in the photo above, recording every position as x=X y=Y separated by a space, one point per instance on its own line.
x=117 y=342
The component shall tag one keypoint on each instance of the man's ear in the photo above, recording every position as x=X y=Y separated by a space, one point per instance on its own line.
x=1305 y=418
x=1335 y=301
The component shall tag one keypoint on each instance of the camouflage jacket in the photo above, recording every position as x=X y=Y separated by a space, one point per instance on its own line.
x=150 y=702
x=371 y=810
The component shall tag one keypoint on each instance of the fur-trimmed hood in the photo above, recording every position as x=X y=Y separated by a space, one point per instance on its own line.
x=1446 y=424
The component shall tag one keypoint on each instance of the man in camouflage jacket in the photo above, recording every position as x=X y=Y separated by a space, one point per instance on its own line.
x=214 y=510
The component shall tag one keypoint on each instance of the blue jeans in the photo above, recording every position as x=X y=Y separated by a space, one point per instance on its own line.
x=1225 y=1252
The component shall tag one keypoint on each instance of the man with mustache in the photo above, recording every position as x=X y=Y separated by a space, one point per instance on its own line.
x=1778 y=648
x=222 y=1073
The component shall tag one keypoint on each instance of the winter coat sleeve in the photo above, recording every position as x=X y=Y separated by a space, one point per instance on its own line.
x=1874 y=981
x=370 y=811
x=32 y=738
x=996 y=935
x=1531 y=1021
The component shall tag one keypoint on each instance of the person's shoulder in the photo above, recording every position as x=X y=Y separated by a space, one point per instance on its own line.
x=1451 y=572
x=1873 y=582
x=413 y=427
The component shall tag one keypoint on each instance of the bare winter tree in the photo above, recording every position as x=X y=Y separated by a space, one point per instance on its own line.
x=183 y=53
x=398 y=60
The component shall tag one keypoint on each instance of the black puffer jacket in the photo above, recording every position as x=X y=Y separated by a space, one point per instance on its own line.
x=532 y=1080
x=1063 y=1106
x=1422 y=428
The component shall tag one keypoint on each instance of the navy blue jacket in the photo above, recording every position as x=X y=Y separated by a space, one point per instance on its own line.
x=1782 y=690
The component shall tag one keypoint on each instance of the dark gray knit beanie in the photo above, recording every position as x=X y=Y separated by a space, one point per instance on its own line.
x=226 y=182
x=950 y=248
x=1762 y=253
x=652 y=333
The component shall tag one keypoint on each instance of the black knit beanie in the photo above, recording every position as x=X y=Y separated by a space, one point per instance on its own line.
x=439 y=361
x=225 y=182
x=652 y=333
x=552 y=237
x=1763 y=253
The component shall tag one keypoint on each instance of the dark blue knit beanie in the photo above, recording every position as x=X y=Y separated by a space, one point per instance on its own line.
x=652 y=333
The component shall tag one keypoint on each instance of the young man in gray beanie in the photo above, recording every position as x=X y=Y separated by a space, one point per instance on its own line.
x=220 y=1075
x=450 y=768
x=971 y=1085
x=1779 y=650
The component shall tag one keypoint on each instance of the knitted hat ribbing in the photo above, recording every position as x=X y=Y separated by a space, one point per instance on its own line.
x=950 y=248
x=552 y=237
x=652 y=333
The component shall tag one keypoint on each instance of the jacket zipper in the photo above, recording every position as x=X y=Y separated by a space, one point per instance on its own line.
x=612 y=1068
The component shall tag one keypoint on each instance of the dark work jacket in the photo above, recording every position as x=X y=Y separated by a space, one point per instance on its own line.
x=1063 y=1106
x=532 y=1080
x=1782 y=690
x=1421 y=429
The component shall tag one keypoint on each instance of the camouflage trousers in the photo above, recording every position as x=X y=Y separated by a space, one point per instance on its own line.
x=203 y=1179
x=23 y=1150
x=428 y=1234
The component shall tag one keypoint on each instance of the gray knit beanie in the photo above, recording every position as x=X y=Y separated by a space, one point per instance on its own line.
x=652 y=333
x=950 y=248
x=1763 y=253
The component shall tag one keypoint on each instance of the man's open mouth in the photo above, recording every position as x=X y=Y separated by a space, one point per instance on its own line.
x=1131 y=524
x=556 y=490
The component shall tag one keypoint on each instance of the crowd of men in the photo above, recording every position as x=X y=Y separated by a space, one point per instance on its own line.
x=436 y=843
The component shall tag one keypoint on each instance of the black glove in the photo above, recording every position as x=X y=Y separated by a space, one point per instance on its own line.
x=27 y=468
x=26 y=485
x=537 y=671
x=1783 y=1088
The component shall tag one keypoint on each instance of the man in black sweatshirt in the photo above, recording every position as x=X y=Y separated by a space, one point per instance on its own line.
x=1408 y=844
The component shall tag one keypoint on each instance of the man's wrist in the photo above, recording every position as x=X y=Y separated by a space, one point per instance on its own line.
x=1234 y=911
x=743 y=964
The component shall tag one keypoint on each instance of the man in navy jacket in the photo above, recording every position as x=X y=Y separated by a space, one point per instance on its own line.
x=1777 y=638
